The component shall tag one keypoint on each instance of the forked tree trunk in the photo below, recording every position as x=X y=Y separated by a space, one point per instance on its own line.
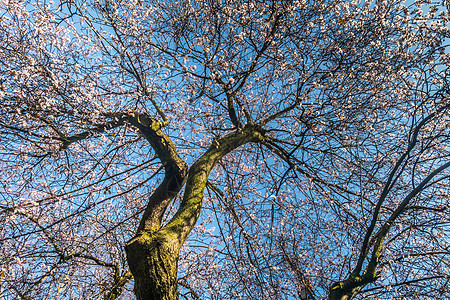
x=153 y=253
x=340 y=295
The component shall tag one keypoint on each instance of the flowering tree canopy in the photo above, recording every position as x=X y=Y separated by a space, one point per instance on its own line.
x=224 y=149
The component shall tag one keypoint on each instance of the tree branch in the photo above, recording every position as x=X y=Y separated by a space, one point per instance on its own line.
x=185 y=218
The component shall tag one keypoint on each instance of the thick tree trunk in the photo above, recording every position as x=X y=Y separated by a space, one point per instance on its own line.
x=339 y=294
x=349 y=288
x=153 y=260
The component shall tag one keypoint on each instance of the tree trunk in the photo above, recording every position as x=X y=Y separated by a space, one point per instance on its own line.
x=349 y=288
x=339 y=294
x=153 y=253
x=153 y=260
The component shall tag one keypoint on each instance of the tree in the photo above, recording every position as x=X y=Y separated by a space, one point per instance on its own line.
x=224 y=149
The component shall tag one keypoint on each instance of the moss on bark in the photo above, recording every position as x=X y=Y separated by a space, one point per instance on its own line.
x=153 y=260
x=152 y=254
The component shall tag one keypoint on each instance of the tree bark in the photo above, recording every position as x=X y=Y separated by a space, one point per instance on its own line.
x=152 y=254
x=349 y=288
x=153 y=260
x=339 y=294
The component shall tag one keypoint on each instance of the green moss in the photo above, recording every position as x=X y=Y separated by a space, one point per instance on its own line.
x=153 y=262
